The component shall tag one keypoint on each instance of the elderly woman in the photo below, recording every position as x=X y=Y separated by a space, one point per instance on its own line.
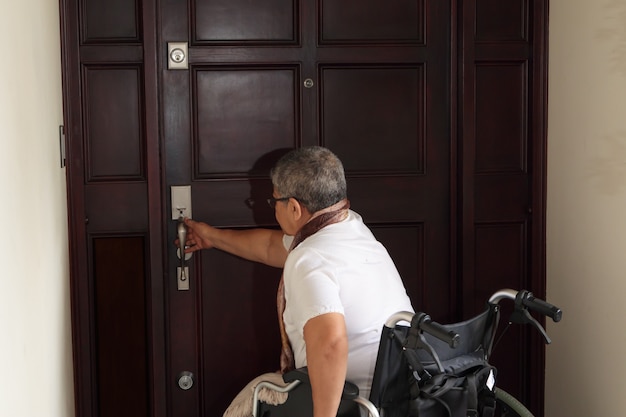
x=339 y=283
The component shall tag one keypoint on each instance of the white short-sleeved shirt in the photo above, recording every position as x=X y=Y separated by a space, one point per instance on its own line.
x=343 y=269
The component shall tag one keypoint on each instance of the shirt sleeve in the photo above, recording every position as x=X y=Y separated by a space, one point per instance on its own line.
x=287 y=240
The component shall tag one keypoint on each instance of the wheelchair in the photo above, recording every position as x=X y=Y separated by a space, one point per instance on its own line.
x=411 y=357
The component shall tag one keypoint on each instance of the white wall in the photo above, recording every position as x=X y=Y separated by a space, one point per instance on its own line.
x=586 y=220
x=35 y=345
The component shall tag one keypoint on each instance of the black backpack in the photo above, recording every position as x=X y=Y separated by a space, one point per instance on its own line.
x=418 y=375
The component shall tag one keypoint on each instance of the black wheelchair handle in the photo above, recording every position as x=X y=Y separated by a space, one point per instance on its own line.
x=542 y=307
x=440 y=332
x=423 y=322
x=526 y=299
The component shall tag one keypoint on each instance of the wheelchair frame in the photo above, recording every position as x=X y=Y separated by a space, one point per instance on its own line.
x=509 y=405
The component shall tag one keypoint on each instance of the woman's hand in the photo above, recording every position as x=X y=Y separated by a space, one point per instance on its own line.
x=199 y=236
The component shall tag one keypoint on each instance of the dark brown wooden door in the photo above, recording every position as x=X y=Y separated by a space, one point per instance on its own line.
x=503 y=131
x=435 y=107
x=377 y=95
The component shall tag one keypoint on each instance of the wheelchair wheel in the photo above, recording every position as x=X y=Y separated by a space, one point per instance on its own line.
x=508 y=406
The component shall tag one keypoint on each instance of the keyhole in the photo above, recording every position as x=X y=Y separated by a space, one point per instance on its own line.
x=177 y=55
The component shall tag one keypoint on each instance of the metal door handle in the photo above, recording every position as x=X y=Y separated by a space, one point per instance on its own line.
x=182 y=271
x=181 y=231
x=181 y=208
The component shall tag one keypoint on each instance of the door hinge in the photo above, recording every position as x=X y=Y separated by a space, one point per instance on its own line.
x=62 y=145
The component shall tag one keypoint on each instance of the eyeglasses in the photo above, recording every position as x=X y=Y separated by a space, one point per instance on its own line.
x=272 y=201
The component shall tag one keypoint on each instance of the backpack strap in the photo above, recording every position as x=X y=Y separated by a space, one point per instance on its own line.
x=439 y=385
x=418 y=372
x=472 y=397
x=483 y=400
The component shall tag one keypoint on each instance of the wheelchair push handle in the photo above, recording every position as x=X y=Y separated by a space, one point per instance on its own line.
x=437 y=330
x=541 y=307
x=423 y=323
x=525 y=299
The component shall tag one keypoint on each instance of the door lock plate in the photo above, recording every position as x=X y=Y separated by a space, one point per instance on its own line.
x=182 y=278
x=177 y=55
x=181 y=201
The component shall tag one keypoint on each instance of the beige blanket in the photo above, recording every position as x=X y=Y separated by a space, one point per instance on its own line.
x=241 y=406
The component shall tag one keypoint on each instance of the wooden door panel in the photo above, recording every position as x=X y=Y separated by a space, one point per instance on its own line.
x=378 y=111
x=253 y=108
x=502 y=21
x=371 y=21
x=501 y=116
x=120 y=320
x=110 y=20
x=242 y=21
x=115 y=145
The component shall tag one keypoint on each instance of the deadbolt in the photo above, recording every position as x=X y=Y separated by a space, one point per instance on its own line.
x=185 y=380
x=177 y=55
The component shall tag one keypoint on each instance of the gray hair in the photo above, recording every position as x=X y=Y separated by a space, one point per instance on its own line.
x=312 y=175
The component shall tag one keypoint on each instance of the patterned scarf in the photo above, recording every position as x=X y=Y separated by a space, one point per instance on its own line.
x=334 y=214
